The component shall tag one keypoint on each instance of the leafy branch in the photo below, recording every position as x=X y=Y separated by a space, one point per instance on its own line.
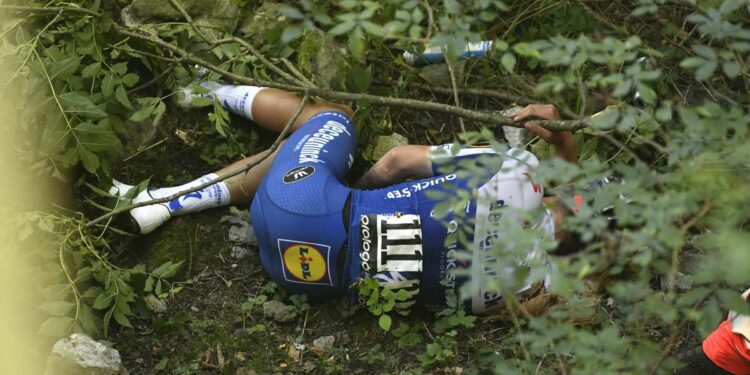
x=493 y=118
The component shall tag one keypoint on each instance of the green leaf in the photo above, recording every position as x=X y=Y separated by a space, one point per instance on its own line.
x=56 y=326
x=648 y=95
x=692 y=62
x=706 y=70
x=341 y=28
x=291 y=33
x=81 y=105
x=357 y=43
x=121 y=319
x=120 y=68
x=65 y=68
x=605 y=119
x=106 y=319
x=149 y=286
x=102 y=301
x=108 y=85
x=385 y=322
x=731 y=68
x=58 y=308
x=91 y=70
x=362 y=77
x=509 y=62
x=122 y=96
x=89 y=159
x=130 y=79
x=292 y=13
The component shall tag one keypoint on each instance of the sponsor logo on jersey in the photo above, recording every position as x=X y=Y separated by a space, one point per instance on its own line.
x=390 y=243
x=298 y=173
x=391 y=252
x=304 y=262
x=311 y=147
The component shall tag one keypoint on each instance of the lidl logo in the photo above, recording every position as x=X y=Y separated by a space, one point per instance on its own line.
x=305 y=262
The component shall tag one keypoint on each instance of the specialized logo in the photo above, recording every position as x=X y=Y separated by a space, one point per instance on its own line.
x=176 y=204
x=305 y=262
x=298 y=173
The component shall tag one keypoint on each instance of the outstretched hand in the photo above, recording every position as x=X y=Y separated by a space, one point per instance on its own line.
x=563 y=141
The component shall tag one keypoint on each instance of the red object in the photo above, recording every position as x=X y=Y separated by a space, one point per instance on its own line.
x=728 y=350
x=579 y=202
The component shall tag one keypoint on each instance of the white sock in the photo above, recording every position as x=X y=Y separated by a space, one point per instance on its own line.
x=215 y=195
x=236 y=99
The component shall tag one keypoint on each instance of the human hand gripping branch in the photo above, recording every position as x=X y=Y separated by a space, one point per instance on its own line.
x=563 y=141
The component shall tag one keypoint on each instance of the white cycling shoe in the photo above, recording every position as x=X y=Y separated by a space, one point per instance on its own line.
x=147 y=218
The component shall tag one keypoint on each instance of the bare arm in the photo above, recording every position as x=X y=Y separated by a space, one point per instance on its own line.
x=398 y=165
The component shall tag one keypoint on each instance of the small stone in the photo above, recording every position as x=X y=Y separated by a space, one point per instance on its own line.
x=325 y=342
x=80 y=354
x=239 y=252
x=295 y=353
x=279 y=312
x=194 y=309
x=155 y=304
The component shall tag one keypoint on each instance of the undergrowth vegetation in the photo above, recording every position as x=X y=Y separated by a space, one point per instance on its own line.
x=666 y=82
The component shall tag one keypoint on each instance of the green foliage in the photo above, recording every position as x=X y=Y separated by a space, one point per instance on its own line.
x=86 y=291
x=681 y=149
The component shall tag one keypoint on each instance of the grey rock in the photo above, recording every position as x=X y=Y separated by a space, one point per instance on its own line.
x=239 y=252
x=264 y=18
x=516 y=137
x=279 y=312
x=321 y=58
x=214 y=13
x=81 y=355
x=241 y=234
x=325 y=342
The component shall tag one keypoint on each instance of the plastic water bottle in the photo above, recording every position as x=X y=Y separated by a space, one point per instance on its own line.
x=435 y=54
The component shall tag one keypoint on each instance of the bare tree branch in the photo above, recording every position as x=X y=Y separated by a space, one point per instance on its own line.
x=21 y=8
x=488 y=118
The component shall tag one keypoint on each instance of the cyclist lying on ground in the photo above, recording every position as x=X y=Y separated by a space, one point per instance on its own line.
x=319 y=237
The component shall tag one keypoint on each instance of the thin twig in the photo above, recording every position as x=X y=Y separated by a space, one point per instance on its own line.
x=189 y=19
x=675 y=263
x=204 y=185
x=153 y=80
x=296 y=72
x=454 y=87
x=488 y=118
x=21 y=8
x=262 y=59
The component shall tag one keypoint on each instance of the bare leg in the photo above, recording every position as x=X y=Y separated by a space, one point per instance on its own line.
x=242 y=187
x=271 y=109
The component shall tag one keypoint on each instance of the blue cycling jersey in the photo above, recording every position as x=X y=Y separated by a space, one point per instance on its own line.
x=319 y=237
